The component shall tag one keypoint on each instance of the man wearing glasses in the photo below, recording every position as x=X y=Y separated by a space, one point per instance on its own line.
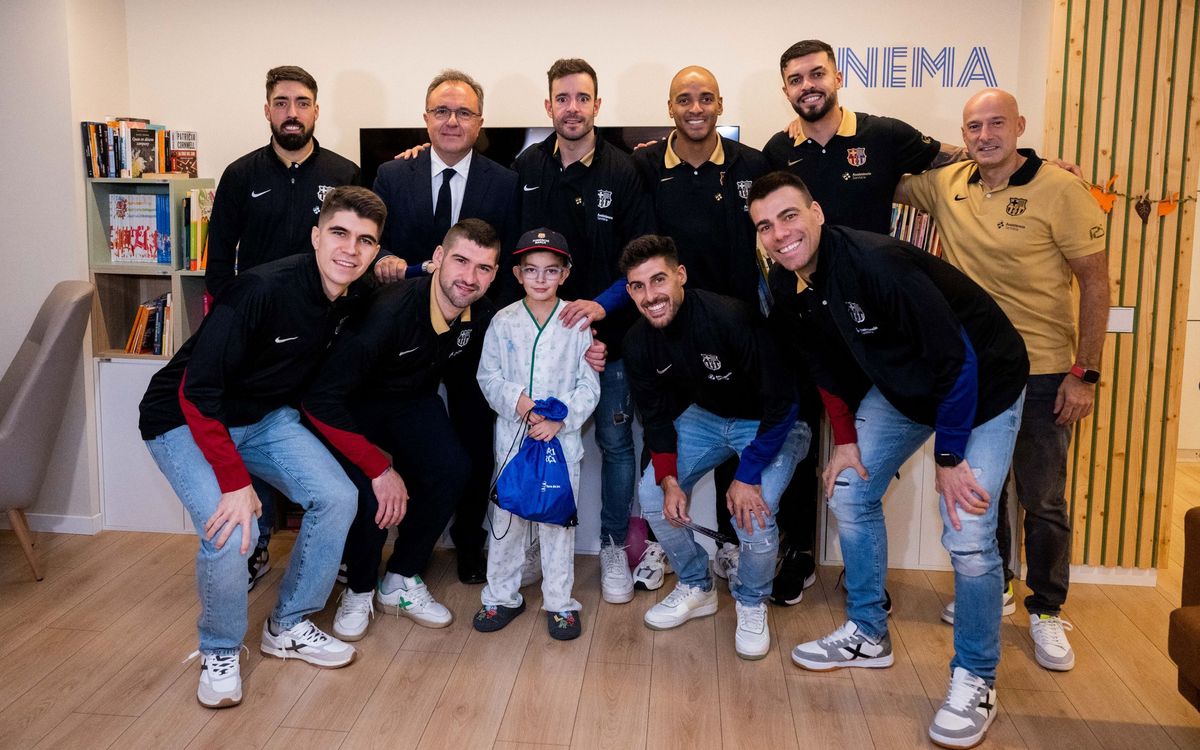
x=425 y=196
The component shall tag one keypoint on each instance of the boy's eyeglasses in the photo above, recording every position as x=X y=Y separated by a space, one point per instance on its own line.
x=551 y=273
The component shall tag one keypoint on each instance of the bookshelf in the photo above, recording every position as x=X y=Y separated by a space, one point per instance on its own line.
x=122 y=286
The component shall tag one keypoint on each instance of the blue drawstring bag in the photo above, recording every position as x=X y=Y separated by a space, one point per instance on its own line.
x=536 y=483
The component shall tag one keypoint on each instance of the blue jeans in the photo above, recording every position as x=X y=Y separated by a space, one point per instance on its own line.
x=614 y=436
x=886 y=439
x=703 y=442
x=281 y=451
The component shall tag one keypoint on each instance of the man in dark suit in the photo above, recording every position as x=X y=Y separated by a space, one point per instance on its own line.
x=476 y=186
x=425 y=196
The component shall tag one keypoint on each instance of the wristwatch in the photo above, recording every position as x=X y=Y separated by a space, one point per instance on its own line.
x=947 y=459
x=1090 y=377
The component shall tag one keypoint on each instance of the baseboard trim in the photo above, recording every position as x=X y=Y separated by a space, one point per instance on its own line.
x=89 y=525
x=1187 y=455
x=1114 y=576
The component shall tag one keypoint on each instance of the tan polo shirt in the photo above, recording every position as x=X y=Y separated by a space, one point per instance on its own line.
x=1014 y=240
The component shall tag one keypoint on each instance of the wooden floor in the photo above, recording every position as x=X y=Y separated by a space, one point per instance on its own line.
x=93 y=658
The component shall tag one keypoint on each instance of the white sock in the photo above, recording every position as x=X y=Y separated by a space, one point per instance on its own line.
x=391 y=582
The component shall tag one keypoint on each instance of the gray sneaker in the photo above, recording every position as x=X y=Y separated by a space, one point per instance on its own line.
x=616 y=582
x=220 y=680
x=844 y=647
x=967 y=712
x=1008 y=605
x=1050 y=646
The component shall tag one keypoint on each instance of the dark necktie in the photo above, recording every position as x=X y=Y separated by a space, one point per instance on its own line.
x=441 y=212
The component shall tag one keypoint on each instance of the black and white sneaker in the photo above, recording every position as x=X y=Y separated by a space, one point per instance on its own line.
x=797 y=571
x=966 y=714
x=220 y=680
x=845 y=647
x=258 y=563
x=306 y=642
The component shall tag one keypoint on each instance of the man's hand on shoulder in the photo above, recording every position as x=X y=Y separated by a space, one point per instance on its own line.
x=1071 y=167
x=411 y=153
x=795 y=128
x=582 y=311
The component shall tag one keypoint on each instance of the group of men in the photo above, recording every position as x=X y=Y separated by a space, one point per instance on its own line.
x=303 y=380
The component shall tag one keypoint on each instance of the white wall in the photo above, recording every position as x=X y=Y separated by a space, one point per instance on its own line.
x=372 y=64
x=1189 y=408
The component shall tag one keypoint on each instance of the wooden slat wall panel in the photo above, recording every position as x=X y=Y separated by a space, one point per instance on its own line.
x=1121 y=100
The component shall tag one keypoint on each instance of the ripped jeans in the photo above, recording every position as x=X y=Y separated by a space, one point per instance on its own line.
x=886 y=439
x=703 y=442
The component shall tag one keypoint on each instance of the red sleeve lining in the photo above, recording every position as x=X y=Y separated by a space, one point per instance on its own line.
x=214 y=442
x=840 y=418
x=664 y=466
x=360 y=451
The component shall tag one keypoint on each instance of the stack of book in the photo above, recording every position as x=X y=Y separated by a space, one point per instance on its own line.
x=197 y=210
x=915 y=227
x=151 y=331
x=136 y=147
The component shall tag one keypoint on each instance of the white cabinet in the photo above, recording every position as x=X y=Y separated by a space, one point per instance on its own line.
x=134 y=495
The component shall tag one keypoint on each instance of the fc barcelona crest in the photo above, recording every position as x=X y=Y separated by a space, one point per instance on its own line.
x=463 y=337
x=322 y=191
x=743 y=187
x=856 y=156
x=603 y=198
x=856 y=312
x=711 y=361
x=1015 y=207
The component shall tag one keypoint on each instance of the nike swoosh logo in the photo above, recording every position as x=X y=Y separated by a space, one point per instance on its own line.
x=279 y=340
x=794 y=161
x=530 y=189
x=264 y=192
x=668 y=367
x=665 y=179
x=408 y=351
x=958 y=197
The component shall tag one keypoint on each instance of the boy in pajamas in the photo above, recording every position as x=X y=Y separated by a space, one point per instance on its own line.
x=528 y=355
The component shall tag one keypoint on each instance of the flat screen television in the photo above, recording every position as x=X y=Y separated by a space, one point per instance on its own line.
x=379 y=145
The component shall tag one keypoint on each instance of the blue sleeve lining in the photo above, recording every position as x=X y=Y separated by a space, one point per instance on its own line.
x=613 y=298
x=762 y=450
x=956 y=412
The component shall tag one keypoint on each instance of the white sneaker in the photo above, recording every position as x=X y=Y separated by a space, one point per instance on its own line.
x=616 y=583
x=354 y=613
x=1050 y=646
x=531 y=569
x=306 y=642
x=725 y=564
x=412 y=599
x=652 y=569
x=752 y=640
x=1008 y=605
x=679 y=606
x=845 y=647
x=220 y=680
x=966 y=714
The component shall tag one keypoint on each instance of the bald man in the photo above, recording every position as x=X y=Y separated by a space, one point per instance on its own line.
x=1022 y=230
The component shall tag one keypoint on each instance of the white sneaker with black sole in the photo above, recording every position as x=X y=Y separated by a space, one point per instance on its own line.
x=966 y=714
x=682 y=604
x=616 y=582
x=752 y=639
x=1050 y=646
x=725 y=562
x=307 y=642
x=220 y=680
x=652 y=569
x=845 y=647
x=412 y=599
x=353 y=615
x=1008 y=605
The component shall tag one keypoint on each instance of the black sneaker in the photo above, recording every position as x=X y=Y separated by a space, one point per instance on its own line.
x=472 y=566
x=564 y=626
x=797 y=571
x=492 y=617
x=887 y=598
x=258 y=563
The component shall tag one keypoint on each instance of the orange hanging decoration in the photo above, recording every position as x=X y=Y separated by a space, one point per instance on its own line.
x=1167 y=206
x=1103 y=196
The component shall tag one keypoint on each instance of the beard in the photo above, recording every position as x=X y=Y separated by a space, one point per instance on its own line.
x=291 y=141
x=816 y=114
x=456 y=296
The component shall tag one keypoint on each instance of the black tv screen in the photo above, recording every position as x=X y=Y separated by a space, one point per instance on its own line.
x=378 y=145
